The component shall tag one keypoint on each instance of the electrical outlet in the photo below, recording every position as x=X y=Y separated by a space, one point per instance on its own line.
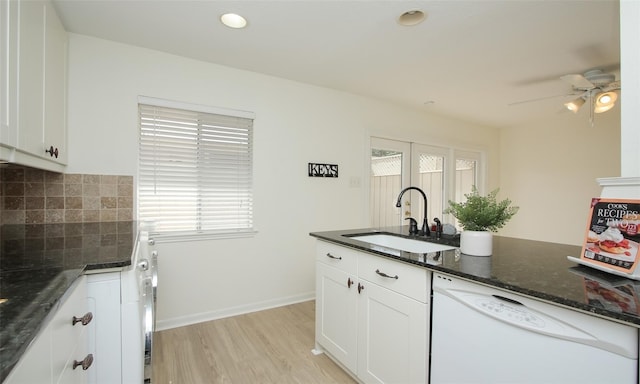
x=354 y=182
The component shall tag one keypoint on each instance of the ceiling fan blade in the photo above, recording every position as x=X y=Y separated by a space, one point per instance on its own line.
x=612 y=87
x=606 y=68
x=578 y=81
x=541 y=98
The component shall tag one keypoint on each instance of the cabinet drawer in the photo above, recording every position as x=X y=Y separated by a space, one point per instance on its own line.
x=411 y=281
x=64 y=335
x=343 y=258
x=67 y=374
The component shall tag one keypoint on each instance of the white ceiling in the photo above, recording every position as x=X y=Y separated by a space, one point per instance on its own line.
x=470 y=58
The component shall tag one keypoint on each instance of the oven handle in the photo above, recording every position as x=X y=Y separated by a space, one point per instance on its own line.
x=149 y=321
x=154 y=273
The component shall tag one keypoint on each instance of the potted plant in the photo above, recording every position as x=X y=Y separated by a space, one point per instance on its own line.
x=479 y=216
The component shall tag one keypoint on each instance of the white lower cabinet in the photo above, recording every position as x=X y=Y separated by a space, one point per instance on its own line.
x=336 y=312
x=392 y=337
x=60 y=353
x=337 y=303
x=104 y=292
x=372 y=315
x=71 y=355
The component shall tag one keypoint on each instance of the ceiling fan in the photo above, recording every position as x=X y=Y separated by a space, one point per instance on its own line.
x=594 y=85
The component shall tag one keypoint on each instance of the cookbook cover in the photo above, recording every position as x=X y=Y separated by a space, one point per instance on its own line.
x=612 y=237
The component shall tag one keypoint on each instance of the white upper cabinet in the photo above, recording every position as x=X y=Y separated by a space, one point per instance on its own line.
x=31 y=24
x=55 y=86
x=34 y=79
x=8 y=77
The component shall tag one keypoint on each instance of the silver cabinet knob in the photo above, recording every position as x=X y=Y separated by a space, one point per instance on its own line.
x=86 y=319
x=84 y=363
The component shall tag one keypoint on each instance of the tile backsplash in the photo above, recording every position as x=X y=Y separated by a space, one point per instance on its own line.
x=34 y=196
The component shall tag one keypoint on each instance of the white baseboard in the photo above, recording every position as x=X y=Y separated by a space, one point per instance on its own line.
x=232 y=311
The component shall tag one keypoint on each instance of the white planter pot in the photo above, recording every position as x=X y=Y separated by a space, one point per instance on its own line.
x=476 y=265
x=476 y=243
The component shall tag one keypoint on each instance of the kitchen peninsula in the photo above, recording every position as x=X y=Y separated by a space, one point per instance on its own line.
x=389 y=309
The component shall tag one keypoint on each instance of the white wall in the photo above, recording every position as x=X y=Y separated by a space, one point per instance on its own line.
x=549 y=168
x=295 y=124
x=630 y=62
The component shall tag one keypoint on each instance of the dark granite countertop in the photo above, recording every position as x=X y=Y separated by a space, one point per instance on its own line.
x=533 y=268
x=38 y=264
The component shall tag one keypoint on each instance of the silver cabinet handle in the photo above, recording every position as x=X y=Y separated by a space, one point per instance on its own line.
x=84 y=363
x=385 y=275
x=334 y=257
x=86 y=319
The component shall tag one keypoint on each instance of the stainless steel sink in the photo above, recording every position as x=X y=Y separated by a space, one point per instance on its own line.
x=401 y=243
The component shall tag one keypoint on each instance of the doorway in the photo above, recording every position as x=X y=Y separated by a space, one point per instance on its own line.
x=442 y=173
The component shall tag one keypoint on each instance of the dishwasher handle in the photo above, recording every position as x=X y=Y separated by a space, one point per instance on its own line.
x=508 y=300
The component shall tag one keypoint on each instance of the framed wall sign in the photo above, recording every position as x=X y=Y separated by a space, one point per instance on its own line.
x=323 y=170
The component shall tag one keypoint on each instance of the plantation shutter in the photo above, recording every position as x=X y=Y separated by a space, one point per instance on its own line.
x=195 y=170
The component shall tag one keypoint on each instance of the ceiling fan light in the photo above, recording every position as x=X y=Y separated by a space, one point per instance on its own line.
x=575 y=105
x=606 y=99
x=603 y=108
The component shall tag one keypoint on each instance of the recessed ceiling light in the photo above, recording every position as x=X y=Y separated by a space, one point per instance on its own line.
x=413 y=17
x=233 y=20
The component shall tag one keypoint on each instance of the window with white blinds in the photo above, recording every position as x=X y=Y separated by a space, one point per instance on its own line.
x=195 y=170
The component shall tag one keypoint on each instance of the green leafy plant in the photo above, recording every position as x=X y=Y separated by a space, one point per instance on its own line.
x=482 y=213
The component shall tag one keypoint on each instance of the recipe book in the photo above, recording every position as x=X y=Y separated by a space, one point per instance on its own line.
x=612 y=236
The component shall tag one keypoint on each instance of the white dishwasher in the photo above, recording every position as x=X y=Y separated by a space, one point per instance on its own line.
x=485 y=335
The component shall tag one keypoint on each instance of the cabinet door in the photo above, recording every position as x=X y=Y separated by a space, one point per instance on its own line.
x=31 y=76
x=105 y=338
x=55 y=81
x=8 y=74
x=336 y=314
x=39 y=83
x=65 y=334
x=392 y=340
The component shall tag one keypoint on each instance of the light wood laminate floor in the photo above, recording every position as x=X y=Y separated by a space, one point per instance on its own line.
x=271 y=346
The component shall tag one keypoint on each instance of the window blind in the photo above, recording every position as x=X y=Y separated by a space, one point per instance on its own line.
x=195 y=170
